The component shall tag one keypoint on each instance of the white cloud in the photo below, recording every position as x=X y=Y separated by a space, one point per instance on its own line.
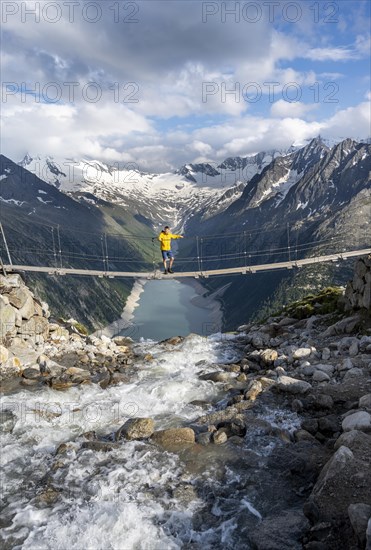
x=330 y=54
x=171 y=54
x=283 y=109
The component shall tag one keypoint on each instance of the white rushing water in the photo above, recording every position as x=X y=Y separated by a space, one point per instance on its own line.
x=123 y=499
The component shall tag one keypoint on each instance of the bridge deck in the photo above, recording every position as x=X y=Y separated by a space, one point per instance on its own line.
x=156 y=274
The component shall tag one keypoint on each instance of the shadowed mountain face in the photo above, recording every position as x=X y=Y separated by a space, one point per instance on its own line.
x=46 y=227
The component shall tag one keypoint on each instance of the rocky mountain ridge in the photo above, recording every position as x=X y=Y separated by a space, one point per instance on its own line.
x=314 y=201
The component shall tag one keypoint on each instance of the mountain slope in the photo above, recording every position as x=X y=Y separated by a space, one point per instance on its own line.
x=316 y=200
x=42 y=224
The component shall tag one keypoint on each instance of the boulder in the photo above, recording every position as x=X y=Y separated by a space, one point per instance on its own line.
x=359 y=514
x=11 y=281
x=28 y=308
x=320 y=376
x=59 y=334
x=353 y=373
x=4 y=354
x=268 y=356
x=328 y=369
x=368 y=535
x=254 y=388
x=35 y=325
x=346 y=364
x=320 y=401
x=345 y=326
x=216 y=376
x=292 y=385
x=360 y=420
x=329 y=424
x=332 y=469
x=220 y=436
x=7 y=318
x=174 y=437
x=31 y=373
x=136 y=428
x=301 y=353
x=18 y=296
x=326 y=354
x=354 y=440
x=365 y=402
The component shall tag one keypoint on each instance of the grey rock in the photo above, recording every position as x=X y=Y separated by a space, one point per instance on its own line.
x=306 y=370
x=333 y=468
x=320 y=376
x=320 y=401
x=7 y=318
x=346 y=364
x=365 y=402
x=360 y=420
x=4 y=354
x=174 y=437
x=35 y=325
x=354 y=349
x=311 y=511
x=303 y=435
x=364 y=343
x=301 y=353
x=310 y=425
x=329 y=424
x=220 y=436
x=216 y=376
x=353 y=440
x=268 y=356
x=253 y=390
x=99 y=446
x=292 y=385
x=31 y=372
x=359 y=514
x=203 y=438
x=28 y=308
x=136 y=428
x=326 y=354
x=353 y=373
x=345 y=326
x=328 y=369
x=368 y=535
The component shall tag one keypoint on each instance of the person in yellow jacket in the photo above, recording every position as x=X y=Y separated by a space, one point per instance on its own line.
x=165 y=239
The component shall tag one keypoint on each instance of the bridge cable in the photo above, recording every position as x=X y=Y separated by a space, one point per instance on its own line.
x=60 y=246
x=198 y=253
x=153 y=256
x=201 y=252
x=106 y=248
x=288 y=241
x=54 y=250
x=103 y=255
x=6 y=244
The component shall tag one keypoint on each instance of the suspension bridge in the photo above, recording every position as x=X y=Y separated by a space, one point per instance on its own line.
x=241 y=259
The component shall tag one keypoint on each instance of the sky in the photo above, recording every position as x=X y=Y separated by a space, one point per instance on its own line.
x=161 y=83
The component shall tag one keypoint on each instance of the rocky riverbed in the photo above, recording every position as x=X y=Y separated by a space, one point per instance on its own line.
x=258 y=439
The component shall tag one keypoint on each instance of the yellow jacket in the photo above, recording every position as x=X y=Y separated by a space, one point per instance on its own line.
x=165 y=240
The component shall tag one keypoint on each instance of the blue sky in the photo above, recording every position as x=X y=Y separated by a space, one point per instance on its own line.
x=163 y=83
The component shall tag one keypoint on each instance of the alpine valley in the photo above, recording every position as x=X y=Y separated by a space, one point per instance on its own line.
x=85 y=213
